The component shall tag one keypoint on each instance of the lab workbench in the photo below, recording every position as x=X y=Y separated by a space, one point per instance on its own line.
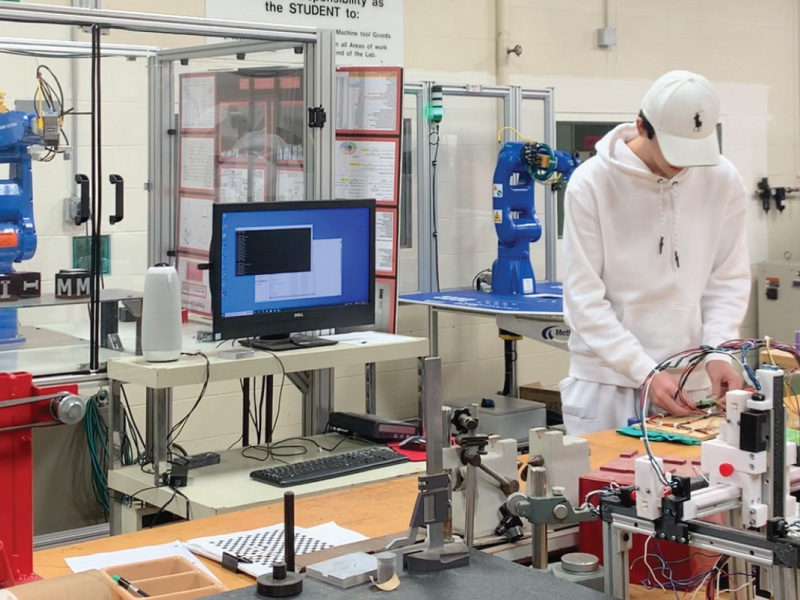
x=310 y=369
x=376 y=510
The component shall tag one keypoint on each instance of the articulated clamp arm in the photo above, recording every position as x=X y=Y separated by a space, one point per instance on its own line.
x=548 y=510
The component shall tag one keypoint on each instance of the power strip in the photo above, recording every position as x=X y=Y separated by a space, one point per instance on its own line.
x=196 y=461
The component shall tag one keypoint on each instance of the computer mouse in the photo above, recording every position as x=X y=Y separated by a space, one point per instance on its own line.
x=415 y=443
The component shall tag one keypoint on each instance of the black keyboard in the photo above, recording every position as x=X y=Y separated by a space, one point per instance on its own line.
x=327 y=467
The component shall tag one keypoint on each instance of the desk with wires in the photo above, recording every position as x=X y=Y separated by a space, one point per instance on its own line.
x=228 y=487
x=310 y=369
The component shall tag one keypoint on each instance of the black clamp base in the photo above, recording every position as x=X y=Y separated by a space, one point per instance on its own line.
x=280 y=584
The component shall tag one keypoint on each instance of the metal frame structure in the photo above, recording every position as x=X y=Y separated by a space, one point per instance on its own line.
x=749 y=547
x=319 y=72
x=513 y=98
x=318 y=69
x=550 y=208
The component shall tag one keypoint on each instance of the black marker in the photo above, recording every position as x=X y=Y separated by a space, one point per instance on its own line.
x=129 y=586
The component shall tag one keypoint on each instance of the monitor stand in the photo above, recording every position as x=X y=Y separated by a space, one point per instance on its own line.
x=281 y=343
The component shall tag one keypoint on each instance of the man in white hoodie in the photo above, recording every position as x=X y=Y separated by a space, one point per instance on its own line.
x=655 y=258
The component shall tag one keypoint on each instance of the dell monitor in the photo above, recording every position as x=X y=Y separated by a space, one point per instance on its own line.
x=284 y=267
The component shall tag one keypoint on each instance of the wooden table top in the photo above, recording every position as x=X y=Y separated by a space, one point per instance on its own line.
x=373 y=510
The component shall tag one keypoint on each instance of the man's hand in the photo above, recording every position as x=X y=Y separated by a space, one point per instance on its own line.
x=663 y=391
x=724 y=378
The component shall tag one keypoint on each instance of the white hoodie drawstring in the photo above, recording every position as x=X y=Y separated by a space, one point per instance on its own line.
x=661 y=215
x=675 y=223
x=676 y=256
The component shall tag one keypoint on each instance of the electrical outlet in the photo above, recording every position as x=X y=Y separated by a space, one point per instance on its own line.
x=606 y=37
x=72 y=207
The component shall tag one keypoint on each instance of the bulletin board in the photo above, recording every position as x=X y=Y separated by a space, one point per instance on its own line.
x=240 y=140
x=367 y=165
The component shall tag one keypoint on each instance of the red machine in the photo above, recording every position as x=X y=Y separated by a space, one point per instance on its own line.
x=684 y=562
x=24 y=406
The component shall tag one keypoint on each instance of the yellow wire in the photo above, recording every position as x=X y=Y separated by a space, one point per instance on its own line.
x=519 y=135
x=767 y=340
x=790 y=395
x=40 y=94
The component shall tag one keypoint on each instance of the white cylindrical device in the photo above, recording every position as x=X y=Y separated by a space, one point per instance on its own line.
x=161 y=315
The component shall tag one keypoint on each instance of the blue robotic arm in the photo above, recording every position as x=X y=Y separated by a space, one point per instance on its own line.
x=519 y=166
x=20 y=133
x=17 y=229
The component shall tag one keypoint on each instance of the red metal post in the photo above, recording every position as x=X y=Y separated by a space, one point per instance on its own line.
x=16 y=473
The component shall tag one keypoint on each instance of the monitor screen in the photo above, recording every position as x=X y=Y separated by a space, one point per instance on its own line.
x=283 y=267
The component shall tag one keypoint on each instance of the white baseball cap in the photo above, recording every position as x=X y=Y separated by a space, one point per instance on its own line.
x=684 y=110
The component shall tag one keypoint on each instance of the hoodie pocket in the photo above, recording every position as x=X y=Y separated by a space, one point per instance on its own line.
x=664 y=329
x=578 y=400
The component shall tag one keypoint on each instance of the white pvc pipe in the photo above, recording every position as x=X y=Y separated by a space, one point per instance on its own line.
x=503 y=34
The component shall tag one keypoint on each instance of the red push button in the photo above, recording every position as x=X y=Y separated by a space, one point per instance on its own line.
x=726 y=469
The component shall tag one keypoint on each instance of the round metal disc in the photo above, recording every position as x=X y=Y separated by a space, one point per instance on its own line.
x=579 y=562
x=268 y=587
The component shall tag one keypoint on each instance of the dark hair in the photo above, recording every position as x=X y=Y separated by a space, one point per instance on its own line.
x=648 y=126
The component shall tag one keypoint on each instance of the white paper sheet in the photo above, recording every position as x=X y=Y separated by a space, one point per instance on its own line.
x=291 y=185
x=195 y=289
x=233 y=185
x=196 y=223
x=367 y=101
x=384 y=241
x=197 y=102
x=124 y=557
x=366 y=169
x=197 y=163
x=334 y=534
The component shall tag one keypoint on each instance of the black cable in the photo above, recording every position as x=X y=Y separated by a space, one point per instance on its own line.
x=250 y=414
x=132 y=497
x=177 y=429
x=255 y=409
x=261 y=405
x=434 y=142
x=92 y=289
x=97 y=246
x=278 y=449
x=188 y=504
x=475 y=284
x=129 y=415
x=280 y=390
x=269 y=452
x=47 y=91
x=163 y=507
x=317 y=444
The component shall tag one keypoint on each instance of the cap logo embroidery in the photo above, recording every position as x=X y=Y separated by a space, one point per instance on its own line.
x=698 y=124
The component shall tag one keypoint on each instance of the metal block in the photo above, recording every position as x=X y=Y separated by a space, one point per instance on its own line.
x=9 y=287
x=30 y=284
x=72 y=283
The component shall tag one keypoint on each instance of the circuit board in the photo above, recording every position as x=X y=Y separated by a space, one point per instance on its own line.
x=697 y=427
